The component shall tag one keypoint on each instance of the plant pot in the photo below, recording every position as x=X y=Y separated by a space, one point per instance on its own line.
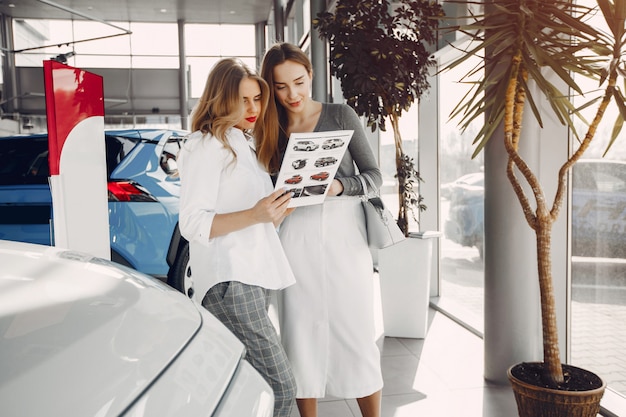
x=534 y=400
x=405 y=271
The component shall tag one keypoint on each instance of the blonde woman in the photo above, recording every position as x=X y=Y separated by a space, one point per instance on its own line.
x=229 y=214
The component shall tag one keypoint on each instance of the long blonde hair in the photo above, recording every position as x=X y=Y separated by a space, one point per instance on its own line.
x=220 y=107
x=273 y=139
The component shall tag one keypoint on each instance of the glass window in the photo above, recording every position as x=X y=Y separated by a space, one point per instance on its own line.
x=204 y=50
x=24 y=162
x=158 y=39
x=298 y=24
x=149 y=45
x=208 y=40
x=461 y=207
x=199 y=68
x=108 y=45
x=598 y=246
x=170 y=153
x=598 y=303
x=138 y=61
x=98 y=61
x=31 y=34
x=201 y=40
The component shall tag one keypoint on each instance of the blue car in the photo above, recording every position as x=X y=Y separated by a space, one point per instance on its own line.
x=143 y=198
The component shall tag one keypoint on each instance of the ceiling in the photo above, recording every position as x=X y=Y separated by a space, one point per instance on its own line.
x=162 y=11
x=28 y=86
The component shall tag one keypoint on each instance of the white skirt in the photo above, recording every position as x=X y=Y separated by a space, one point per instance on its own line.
x=327 y=316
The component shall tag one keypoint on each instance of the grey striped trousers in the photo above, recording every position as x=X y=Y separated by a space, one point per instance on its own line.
x=243 y=310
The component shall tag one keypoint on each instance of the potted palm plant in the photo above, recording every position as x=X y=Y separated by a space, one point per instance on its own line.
x=380 y=56
x=524 y=40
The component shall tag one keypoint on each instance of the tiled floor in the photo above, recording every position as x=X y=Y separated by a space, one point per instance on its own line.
x=440 y=376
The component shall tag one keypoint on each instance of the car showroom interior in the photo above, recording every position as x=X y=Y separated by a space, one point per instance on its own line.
x=99 y=313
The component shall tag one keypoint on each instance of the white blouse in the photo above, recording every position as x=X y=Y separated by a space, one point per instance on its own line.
x=212 y=182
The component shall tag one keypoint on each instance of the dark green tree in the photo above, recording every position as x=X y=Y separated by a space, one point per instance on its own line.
x=382 y=61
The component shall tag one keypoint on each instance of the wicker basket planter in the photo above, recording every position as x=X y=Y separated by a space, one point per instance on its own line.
x=538 y=401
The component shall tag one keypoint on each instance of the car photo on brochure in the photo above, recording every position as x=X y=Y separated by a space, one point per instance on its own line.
x=314 y=190
x=305 y=145
x=294 y=179
x=323 y=150
x=298 y=163
x=320 y=176
x=332 y=143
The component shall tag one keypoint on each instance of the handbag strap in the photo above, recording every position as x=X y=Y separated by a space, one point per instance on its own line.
x=366 y=192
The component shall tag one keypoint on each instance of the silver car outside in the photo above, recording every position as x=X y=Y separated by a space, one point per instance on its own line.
x=81 y=336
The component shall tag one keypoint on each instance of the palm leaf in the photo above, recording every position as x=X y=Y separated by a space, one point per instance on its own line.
x=549 y=34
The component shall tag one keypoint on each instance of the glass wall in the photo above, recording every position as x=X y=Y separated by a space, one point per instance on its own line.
x=598 y=249
x=298 y=24
x=150 y=45
x=461 y=207
x=88 y=44
x=598 y=262
x=597 y=306
x=598 y=239
x=204 y=49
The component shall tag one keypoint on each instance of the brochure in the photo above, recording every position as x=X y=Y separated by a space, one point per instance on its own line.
x=310 y=164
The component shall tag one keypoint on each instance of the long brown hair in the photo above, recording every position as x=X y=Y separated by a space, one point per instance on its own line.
x=274 y=136
x=220 y=106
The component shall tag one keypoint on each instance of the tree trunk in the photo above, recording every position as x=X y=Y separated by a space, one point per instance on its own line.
x=541 y=221
x=401 y=174
x=551 y=354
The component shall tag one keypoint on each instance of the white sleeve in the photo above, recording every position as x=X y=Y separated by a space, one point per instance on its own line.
x=200 y=164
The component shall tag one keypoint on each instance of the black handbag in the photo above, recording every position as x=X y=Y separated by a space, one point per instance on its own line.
x=382 y=229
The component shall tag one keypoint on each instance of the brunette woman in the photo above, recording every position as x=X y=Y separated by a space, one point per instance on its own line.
x=327 y=320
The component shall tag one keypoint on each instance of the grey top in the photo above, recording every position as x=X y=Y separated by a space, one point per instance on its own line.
x=359 y=152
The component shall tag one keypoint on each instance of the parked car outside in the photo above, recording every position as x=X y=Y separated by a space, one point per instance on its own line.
x=598 y=210
x=143 y=198
x=465 y=216
x=332 y=143
x=320 y=176
x=305 y=145
x=83 y=336
x=473 y=181
x=325 y=161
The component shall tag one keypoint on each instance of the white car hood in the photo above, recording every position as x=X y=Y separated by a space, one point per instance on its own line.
x=83 y=338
